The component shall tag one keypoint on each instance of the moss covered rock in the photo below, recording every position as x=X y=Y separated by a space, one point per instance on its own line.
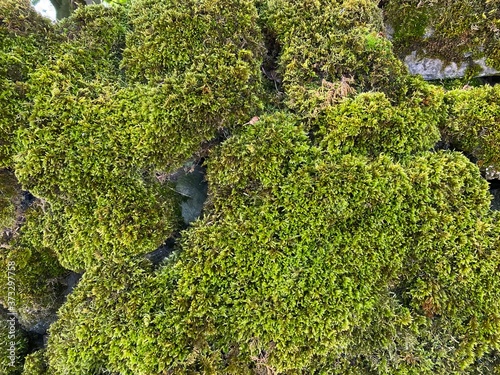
x=23 y=45
x=204 y=56
x=370 y=125
x=449 y=30
x=37 y=273
x=332 y=49
x=333 y=240
x=307 y=262
x=101 y=321
x=90 y=43
x=36 y=364
x=472 y=124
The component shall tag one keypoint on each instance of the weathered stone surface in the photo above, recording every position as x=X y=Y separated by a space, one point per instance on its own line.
x=495 y=201
x=433 y=69
x=193 y=187
x=492 y=174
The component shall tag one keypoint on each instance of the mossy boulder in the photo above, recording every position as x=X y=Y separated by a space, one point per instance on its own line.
x=23 y=45
x=451 y=31
x=305 y=262
x=37 y=275
x=333 y=240
x=203 y=57
x=472 y=123
x=370 y=125
x=36 y=364
x=332 y=49
x=107 y=313
x=98 y=130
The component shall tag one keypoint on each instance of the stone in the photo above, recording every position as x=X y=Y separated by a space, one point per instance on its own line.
x=192 y=185
x=433 y=69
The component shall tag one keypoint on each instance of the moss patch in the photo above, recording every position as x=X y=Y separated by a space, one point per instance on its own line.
x=446 y=29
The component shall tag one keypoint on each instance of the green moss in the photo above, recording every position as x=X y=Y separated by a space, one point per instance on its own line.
x=102 y=319
x=330 y=50
x=103 y=201
x=91 y=43
x=107 y=136
x=472 y=123
x=304 y=263
x=412 y=24
x=14 y=16
x=266 y=272
x=37 y=274
x=9 y=196
x=23 y=35
x=13 y=341
x=454 y=28
x=333 y=241
x=36 y=364
x=370 y=125
x=207 y=53
x=168 y=39
x=457 y=83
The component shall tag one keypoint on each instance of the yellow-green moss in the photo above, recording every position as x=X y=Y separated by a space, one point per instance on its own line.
x=9 y=196
x=305 y=263
x=96 y=135
x=446 y=29
x=206 y=53
x=23 y=46
x=91 y=43
x=37 y=273
x=332 y=49
x=332 y=242
x=473 y=122
x=370 y=125
x=36 y=364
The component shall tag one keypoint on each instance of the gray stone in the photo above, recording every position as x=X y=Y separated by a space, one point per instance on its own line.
x=70 y=282
x=495 y=201
x=194 y=188
x=433 y=69
x=42 y=325
x=164 y=251
x=491 y=173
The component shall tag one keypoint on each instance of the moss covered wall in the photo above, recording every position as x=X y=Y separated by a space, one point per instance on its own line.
x=335 y=239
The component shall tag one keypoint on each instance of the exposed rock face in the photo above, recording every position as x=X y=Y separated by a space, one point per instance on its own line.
x=495 y=201
x=433 y=68
x=492 y=174
x=193 y=187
